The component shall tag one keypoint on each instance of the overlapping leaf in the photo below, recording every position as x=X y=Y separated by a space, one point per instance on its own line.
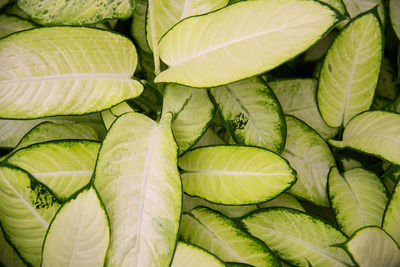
x=284 y=200
x=8 y=255
x=190 y=255
x=356 y=7
x=61 y=70
x=10 y=24
x=392 y=214
x=394 y=11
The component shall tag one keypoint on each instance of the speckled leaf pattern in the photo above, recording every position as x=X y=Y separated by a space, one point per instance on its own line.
x=64 y=166
x=138 y=181
x=219 y=235
x=392 y=215
x=350 y=72
x=358 y=198
x=297 y=98
x=311 y=157
x=251 y=113
x=60 y=71
x=373 y=132
x=371 y=247
x=190 y=255
x=298 y=237
x=235 y=175
x=79 y=233
x=230 y=50
x=26 y=221
x=75 y=12
x=10 y=24
x=8 y=255
x=192 y=112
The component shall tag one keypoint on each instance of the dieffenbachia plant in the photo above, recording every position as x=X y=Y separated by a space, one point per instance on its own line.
x=199 y=133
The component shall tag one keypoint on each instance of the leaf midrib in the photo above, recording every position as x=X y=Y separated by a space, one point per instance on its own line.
x=70 y=76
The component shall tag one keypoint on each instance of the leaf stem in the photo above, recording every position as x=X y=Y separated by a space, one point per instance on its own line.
x=154 y=41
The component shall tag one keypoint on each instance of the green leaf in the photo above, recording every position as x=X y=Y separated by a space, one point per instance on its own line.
x=337 y=4
x=168 y=13
x=386 y=86
x=64 y=166
x=78 y=234
x=110 y=115
x=26 y=211
x=138 y=27
x=192 y=113
x=392 y=214
x=209 y=138
x=3 y=3
x=138 y=181
x=8 y=255
x=16 y=11
x=190 y=255
x=284 y=200
x=60 y=71
x=350 y=72
x=298 y=238
x=394 y=11
x=310 y=156
x=219 y=235
x=241 y=51
x=10 y=24
x=75 y=12
x=297 y=97
x=231 y=211
x=318 y=50
x=356 y=7
x=235 y=175
x=358 y=198
x=373 y=132
x=245 y=107
x=371 y=247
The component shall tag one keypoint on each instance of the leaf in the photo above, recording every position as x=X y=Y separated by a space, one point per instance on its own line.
x=386 y=85
x=75 y=12
x=168 y=13
x=190 y=255
x=391 y=217
x=245 y=107
x=310 y=156
x=350 y=72
x=28 y=207
x=296 y=237
x=78 y=234
x=284 y=200
x=192 y=113
x=64 y=166
x=235 y=175
x=14 y=130
x=138 y=181
x=394 y=11
x=231 y=211
x=318 y=50
x=57 y=71
x=242 y=51
x=209 y=138
x=10 y=24
x=297 y=98
x=373 y=132
x=371 y=246
x=358 y=198
x=8 y=255
x=356 y=7
x=138 y=27
x=219 y=235
x=110 y=115
x=337 y=4
x=3 y=3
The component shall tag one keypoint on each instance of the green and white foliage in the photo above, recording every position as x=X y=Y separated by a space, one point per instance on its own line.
x=371 y=246
x=251 y=113
x=59 y=71
x=298 y=238
x=318 y=50
x=297 y=97
x=26 y=220
x=10 y=24
x=75 y=12
x=350 y=72
x=8 y=255
x=231 y=211
x=138 y=181
x=209 y=138
x=220 y=236
x=392 y=214
x=390 y=177
x=373 y=132
x=356 y=7
x=337 y=4
x=254 y=47
x=190 y=255
x=168 y=13
x=358 y=198
x=235 y=175
x=283 y=200
x=78 y=234
x=192 y=112
x=394 y=11
x=138 y=28
x=110 y=115
x=63 y=166
x=311 y=157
